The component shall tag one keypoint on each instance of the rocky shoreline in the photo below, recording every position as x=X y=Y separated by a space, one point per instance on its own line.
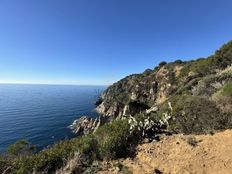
x=86 y=125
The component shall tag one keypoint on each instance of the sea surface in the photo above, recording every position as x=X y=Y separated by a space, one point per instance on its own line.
x=42 y=113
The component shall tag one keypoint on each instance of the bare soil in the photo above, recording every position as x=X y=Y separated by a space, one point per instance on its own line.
x=183 y=154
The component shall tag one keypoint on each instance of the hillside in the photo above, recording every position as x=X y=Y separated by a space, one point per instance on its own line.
x=192 y=97
x=197 y=84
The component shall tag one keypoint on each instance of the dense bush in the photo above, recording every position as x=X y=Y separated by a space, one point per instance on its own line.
x=115 y=140
x=162 y=63
x=21 y=148
x=227 y=90
x=87 y=145
x=201 y=67
x=223 y=56
x=194 y=114
x=178 y=61
x=45 y=161
x=147 y=72
x=223 y=98
x=110 y=141
x=54 y=157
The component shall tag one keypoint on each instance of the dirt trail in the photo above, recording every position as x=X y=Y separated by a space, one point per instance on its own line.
x=173 y=154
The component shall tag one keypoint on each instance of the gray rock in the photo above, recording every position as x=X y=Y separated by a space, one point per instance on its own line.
x=85 y=125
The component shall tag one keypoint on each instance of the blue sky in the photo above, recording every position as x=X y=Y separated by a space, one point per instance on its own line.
x=98 y=42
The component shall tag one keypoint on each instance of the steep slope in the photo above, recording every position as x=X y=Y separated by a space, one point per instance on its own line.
x=194 y=89
x=139 y=92
x=193 y=97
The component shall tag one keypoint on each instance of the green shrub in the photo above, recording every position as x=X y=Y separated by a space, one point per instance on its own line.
x=223 y=56
x=193 y=114
x=23 y=165
x=178 y=61
x=21 y=148
x=147 y=72
x=45 y=161
x=201 y=67
x=109 y=141
x=227 y=90
x=54 y=157
x=162 y=63
x=88 y=146
x=115 y=140
x=223 y=98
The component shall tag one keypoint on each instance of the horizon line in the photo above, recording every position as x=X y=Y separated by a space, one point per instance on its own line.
x=28 y=83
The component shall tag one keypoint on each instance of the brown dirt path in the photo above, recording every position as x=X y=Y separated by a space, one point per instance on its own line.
x=174 y=155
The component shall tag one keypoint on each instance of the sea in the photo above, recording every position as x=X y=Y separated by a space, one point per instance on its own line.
x=41 y=114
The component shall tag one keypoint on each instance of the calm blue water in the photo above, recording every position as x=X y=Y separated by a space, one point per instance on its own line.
x=41 y=113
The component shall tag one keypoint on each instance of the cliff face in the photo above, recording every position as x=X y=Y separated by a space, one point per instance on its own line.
x=141 y=92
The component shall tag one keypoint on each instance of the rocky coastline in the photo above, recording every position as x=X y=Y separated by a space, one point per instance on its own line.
x=86 y=125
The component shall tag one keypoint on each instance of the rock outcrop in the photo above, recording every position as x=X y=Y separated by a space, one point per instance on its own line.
x=139 y=92
x=85 y=125
x=201 y=79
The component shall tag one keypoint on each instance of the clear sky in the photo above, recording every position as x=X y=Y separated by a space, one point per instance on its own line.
x=101 y=41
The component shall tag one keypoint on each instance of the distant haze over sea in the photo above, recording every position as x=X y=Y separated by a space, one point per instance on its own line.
x=41 y=113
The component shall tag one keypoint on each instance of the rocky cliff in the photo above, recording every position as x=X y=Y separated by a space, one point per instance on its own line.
x=192 y=97
x=138 y=93
x=182 y=99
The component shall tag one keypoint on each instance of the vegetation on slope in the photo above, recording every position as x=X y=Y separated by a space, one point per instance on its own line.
x=227 y=90
x=196 y=114
x=178 y=97
x=155 y=86
x=109 y=142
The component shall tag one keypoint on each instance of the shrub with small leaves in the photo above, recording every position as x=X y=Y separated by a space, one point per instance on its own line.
x=115 y=140
x=195 y=114
x=162 y=63
x=21 y=148
x=227 y=90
